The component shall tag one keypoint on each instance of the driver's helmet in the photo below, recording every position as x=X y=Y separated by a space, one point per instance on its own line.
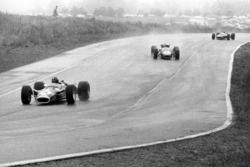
x=165 y=45
x=55 y=80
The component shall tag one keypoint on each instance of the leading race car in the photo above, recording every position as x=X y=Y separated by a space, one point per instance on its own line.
x=165 y=52
x=56 y=92
x=223 y=36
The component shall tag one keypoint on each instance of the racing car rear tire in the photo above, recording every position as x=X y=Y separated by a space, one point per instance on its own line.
x=83 y=90
x=38 y=86
x=26 y=94
x=228 y=37
x=176 y=53
x=233 y=36
x=154 y=52
x=213 y=36
x=70 y=94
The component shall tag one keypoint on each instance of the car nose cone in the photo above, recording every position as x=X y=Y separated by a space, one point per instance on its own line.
x=43 y=98
x=167 y=53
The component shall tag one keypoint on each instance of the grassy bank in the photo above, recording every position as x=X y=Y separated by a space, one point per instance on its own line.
x=228 y=148
x=26 y=39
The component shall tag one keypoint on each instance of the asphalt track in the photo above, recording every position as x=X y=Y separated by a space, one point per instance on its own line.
x=134 y=99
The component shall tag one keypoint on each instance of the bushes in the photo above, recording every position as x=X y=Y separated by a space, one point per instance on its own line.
x=25 y=39
x=24 y=31
x=20 y=31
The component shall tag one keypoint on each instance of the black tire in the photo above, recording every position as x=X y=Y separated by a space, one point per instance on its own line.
x=228 y=37
x=176 y=53
x=83 y=90
x=26 y=95
x=233 y=36
x=38 y=86
x=213 y=36
x=70 y=94
x=154 y=52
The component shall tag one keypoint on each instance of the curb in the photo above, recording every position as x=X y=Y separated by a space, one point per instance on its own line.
x=77 y=155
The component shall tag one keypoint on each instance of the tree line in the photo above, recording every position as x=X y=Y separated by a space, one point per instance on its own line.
x=109 y=12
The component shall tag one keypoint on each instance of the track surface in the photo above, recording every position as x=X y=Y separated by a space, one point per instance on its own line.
x=134 y=99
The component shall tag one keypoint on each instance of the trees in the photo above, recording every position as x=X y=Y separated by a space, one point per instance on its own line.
x=120 y=12
x=77 y=10
x=157 y=12
x=109 y=12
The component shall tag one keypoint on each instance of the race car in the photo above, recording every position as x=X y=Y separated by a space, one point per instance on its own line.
x=223 y=36
x=55 y=92
x=165 y=52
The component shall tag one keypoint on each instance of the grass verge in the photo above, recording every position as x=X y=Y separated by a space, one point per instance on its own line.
x=27 y=39
x=12 y=57
x=229 y=148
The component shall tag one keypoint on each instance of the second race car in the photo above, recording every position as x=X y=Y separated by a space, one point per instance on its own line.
x=55 y=92
x=165 y=52
x=223 y=36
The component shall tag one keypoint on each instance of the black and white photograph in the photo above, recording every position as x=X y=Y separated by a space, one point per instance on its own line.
x=125 y=83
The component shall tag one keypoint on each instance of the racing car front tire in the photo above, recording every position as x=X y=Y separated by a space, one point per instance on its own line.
x=83 y=90
x=26 y=94
x=154 y=52
x=233 y=36
x=213 y=36
x=70 y=94
x=176 y=53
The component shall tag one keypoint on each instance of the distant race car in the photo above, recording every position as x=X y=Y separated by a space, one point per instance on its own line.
x=223 y=36
x=165 y=52
x=56 y=92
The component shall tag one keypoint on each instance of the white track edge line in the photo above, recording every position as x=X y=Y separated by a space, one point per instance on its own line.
x=108 y=150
